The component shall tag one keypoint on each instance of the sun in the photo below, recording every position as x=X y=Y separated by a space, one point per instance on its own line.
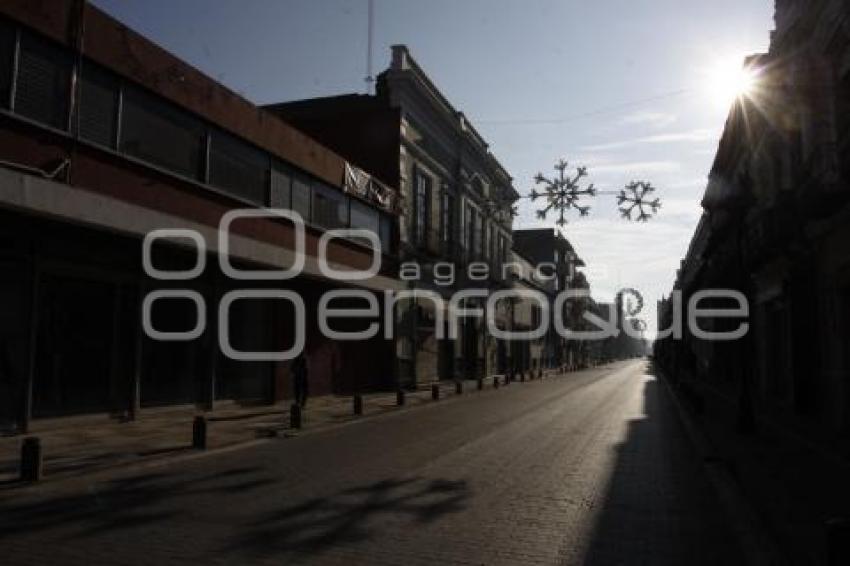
x=729 y=80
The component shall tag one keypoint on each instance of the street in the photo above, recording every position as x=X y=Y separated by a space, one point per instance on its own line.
x=591 y=467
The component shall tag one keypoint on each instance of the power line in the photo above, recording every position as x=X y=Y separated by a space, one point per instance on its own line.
x=598 y=112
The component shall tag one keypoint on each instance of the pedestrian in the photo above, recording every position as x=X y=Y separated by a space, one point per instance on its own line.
x=300 y=374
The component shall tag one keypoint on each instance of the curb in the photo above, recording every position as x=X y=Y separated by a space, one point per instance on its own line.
x=12 y=488
x=759 y=548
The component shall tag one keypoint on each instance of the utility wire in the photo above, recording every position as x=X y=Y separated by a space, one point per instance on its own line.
x=599 y=112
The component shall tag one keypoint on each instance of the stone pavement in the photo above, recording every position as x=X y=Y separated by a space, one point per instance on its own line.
x=79 y=445
x=588 y=468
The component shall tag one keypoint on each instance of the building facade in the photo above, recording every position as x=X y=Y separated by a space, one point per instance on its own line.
x=105 y=137
x=455 y=206
x=775 y=228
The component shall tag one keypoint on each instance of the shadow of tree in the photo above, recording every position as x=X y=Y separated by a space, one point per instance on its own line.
x=127 y=502
x=351 y=515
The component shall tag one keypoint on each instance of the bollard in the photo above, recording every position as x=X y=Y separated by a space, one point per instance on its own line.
x=540 y=374
x=199 y=433
x=480 y=383
x=506 y=380
x=838 y=541
x=522 y=376
x=358 y=404
x=31 y=459
x=435 y=392
x=295 y=416
x=399 y=397
x=458 y=388
x=495 y=383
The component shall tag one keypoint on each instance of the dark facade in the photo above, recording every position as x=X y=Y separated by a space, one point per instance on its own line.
x=104 y=137
x=775 y=228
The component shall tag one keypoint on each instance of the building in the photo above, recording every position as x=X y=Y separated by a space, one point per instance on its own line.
x=549 y=251
x=456 y=209
x=775 y=228
x=105 y=137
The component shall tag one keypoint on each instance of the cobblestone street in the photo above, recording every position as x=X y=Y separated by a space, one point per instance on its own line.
x=591 y=468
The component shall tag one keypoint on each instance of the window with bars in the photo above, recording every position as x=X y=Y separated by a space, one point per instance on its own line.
x=43 y=82
x=98 y=106
x=238 y=167
x=330 y=207
x=161 y=134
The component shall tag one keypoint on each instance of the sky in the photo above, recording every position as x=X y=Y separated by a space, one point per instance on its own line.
x=631 y=89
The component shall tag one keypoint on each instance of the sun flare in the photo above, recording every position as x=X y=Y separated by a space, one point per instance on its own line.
x=729 y=80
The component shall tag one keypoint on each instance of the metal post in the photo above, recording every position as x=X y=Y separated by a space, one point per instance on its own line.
x=295 y=416
x=435 y=392
x=199 y=433
x=26 y=413
x=31 y=459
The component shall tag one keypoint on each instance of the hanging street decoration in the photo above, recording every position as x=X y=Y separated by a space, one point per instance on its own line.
x=562 y=193
x=634 y=198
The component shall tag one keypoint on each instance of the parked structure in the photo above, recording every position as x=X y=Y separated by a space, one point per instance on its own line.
x=104 y=137
x=776 y=228
x=457 y=203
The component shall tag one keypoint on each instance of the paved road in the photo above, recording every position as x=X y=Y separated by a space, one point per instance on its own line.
x=592 y=468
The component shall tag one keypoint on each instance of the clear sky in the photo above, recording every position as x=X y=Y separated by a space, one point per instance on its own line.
x=630 y=88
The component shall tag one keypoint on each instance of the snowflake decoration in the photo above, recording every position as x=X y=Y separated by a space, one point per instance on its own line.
x=562 y=193
x=636 y=196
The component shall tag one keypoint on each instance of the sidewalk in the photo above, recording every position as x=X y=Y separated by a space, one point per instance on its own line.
x=795 y=484
x=78 y=445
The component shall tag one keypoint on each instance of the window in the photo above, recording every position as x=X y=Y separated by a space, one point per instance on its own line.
x=422 y=196
x=330 y=207
x=7 y=53
x=238 y=168
x=365 y=217
x=44 y=77
x=301 y=197
x=447 y=221
x=161 y=134
x=98 y=106
x=280 y=195
x=469 y=229
x=479 y=236
x=386 y=234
